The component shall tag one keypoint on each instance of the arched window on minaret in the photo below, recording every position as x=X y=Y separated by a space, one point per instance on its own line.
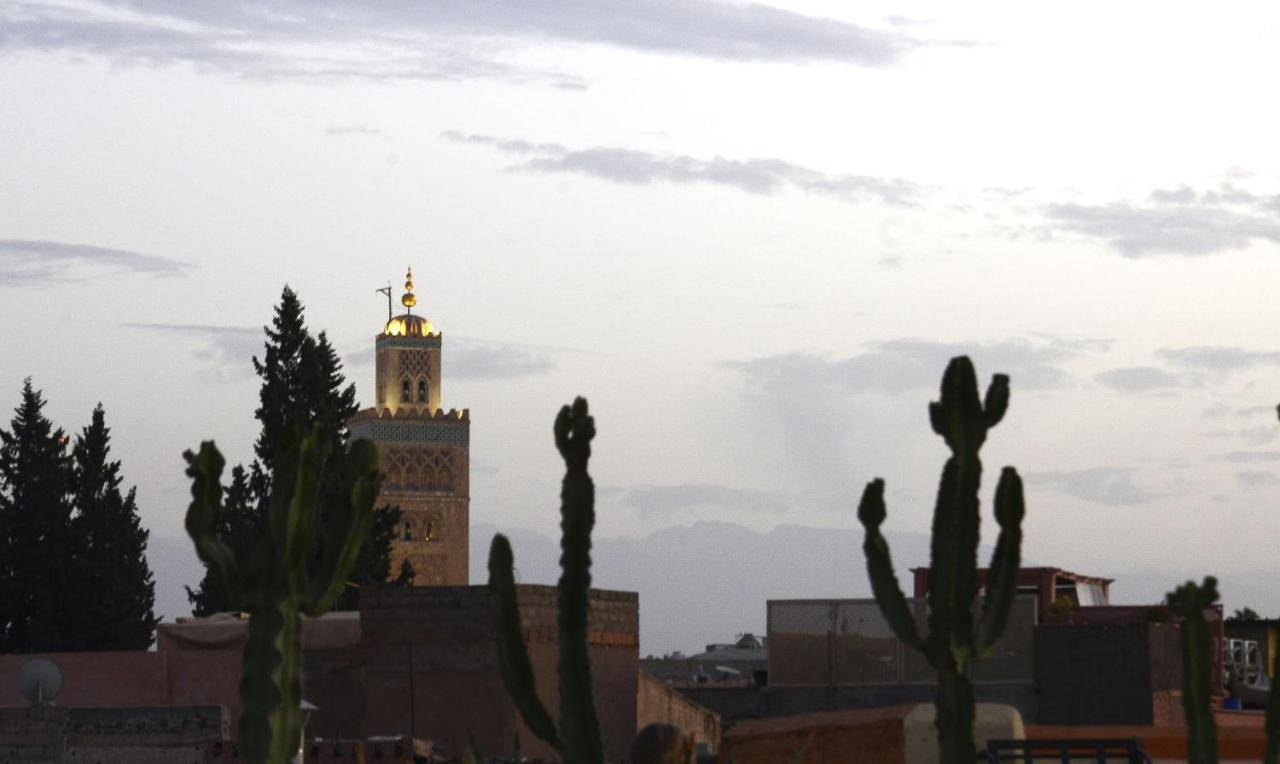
x=406 y=392
x=422 y=391
x=408 y=532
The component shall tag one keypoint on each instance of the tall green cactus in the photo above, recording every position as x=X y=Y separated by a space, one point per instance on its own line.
x=276 y=589
x=578 y=736
x=1272 y=755
x=954 y=640
x=1189 y=602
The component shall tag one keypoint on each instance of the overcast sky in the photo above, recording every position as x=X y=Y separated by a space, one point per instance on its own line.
x=751 y=235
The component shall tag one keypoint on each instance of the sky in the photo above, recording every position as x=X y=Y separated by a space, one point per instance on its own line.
x=751 y=235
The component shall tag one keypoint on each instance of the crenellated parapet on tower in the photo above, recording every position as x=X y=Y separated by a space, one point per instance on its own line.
x=424 y=451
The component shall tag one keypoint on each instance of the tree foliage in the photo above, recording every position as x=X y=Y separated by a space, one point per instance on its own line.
x=301 y=385
x=73 y=568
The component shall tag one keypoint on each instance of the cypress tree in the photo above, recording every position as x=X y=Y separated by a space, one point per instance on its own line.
x=117 y=591
x=38 y=588
x=302 y=382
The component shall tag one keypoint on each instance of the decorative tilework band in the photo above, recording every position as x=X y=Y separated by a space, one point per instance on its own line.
x=411 y=431
x=414 y=343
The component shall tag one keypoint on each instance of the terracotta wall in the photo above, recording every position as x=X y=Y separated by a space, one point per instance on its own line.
x=134 y=679
x=659 y=703
x=432 y=666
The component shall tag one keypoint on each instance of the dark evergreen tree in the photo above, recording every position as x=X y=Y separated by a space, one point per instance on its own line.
x=117 y=591
x=38 y=588
x=302 y=383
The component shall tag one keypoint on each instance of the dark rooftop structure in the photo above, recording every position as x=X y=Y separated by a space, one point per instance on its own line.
x=1047 y=584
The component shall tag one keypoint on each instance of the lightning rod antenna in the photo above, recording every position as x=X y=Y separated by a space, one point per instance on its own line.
x=387 y=291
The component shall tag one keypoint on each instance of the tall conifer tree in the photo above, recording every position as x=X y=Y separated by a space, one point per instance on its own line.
x=117 y=591
x=38 y=591
x=302 y=382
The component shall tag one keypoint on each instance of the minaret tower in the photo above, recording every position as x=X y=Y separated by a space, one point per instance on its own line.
x=424 y=451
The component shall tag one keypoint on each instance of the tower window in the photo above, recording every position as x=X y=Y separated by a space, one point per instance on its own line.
x=408 y=532
x=422 y=391
x=406 y=394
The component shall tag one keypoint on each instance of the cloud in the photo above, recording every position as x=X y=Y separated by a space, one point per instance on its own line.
x=667 y=500
x=332 y=39
x=341 y=130
x=494 y=361
x=1255 y=411
x=764 y=176
x=24 y=262
x=1257 y=478
x=1217 y=358
x=1178 y=221
x=1253 y=435
x=1137 y=379
x=229 y=350
x=1252 y=457
x=911 y=364
x=1111 y=486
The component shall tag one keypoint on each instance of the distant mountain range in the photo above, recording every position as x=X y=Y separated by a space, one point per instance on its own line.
x=709 y=581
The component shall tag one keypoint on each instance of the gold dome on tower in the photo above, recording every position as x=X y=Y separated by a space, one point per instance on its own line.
x=408 y=325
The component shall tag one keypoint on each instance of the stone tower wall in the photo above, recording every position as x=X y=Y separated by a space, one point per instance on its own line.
x=425 y=458
x=411 y=359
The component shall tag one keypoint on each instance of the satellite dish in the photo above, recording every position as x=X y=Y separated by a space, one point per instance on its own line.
x=39 y=680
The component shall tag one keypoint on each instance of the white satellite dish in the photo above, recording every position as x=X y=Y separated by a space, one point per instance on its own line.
x=39 y=680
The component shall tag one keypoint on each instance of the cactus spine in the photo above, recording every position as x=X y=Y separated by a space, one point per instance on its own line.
x=578 y=736
x=954 y=640
x=1189 y=602
x=276 y=589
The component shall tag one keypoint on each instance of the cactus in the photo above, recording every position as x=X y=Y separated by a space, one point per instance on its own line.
x=1189 y=602
x=954 y=640
x=275 y=589
x=1272 y=755
x=578 y=736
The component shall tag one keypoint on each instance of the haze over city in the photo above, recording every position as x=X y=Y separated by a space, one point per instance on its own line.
x=751 y=235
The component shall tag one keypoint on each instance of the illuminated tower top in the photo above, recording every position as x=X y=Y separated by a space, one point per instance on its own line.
x=407 y=324
x=408 y=360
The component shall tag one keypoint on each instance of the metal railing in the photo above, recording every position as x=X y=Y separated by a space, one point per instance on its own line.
x=1098 y=749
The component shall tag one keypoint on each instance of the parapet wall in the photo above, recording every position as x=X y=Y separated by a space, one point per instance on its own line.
x=432 y=665
x=110 y=735
x=450 y=613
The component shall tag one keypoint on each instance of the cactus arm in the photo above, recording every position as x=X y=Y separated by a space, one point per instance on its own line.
x=300 y=521
x=351 y=524
x=996 y=401
x=1002 y=577
x=580 y=729
x=884 y=582
x=1190 y=601
x=513 y=658
x=204 y=515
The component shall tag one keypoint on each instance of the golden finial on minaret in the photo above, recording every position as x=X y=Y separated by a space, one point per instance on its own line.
x=408 y=300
